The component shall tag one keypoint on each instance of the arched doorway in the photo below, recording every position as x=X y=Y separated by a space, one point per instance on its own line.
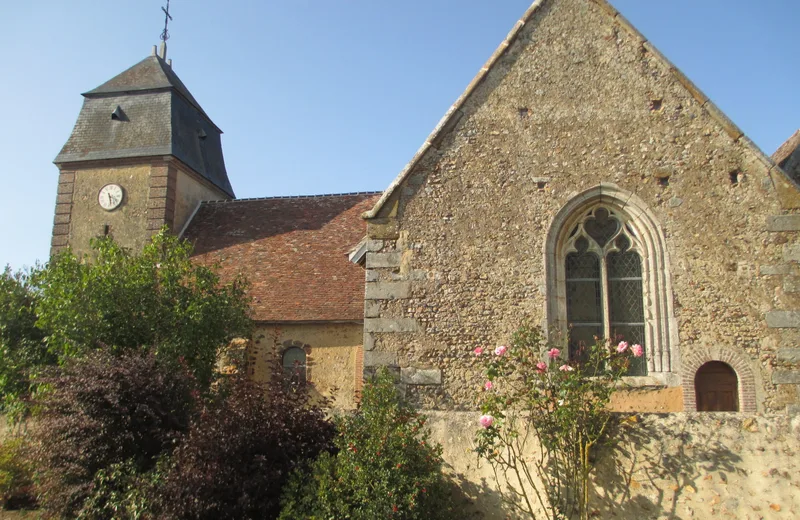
x=716 y=388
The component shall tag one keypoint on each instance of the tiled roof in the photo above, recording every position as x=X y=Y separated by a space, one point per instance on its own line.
x=785 y=150
x=293 y=250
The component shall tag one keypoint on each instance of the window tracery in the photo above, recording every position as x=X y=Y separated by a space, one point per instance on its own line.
x=603 y=282
x=607 y=274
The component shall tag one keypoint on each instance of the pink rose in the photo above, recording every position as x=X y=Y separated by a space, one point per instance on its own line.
x=488 y=385
x=478 y=351
x=541 y=367
x=499 y=351
x=566 y=368
x=622 y=347
x=486 y=420
x=553 y=353
x=637 y=350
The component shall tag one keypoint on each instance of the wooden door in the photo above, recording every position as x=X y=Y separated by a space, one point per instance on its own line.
x=716 y=388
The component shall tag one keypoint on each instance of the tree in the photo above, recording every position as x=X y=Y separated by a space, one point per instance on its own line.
x=21 y=342
x=157 y=299
x=240 y=451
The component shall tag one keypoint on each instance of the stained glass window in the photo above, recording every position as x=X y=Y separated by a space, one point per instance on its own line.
x=603 y=278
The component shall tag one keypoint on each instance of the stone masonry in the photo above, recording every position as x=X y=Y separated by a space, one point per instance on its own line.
x=576 y=99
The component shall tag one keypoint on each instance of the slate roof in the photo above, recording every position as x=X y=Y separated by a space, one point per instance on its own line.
x=152 y=73
x=159 y=117
x=293 y=250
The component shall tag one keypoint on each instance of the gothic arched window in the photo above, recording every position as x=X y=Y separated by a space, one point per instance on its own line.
x=603 y=282
x=607 y=276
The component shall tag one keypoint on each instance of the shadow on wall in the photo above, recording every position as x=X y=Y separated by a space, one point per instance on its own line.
x=661 y=467
x=474 y=500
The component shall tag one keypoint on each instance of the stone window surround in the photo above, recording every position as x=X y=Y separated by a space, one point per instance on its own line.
x=661 y=331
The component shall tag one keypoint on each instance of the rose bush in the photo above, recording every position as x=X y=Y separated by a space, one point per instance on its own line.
x=536 y=403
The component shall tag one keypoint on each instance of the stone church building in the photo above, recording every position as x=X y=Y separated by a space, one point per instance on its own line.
x=581 y=181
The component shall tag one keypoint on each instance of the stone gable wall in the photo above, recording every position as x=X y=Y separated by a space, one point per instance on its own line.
x=456 y=255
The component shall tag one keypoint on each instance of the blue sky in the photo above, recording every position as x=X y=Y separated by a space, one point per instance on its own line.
x=331 y=96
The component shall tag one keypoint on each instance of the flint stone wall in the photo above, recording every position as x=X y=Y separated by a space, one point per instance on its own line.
x=579 y=99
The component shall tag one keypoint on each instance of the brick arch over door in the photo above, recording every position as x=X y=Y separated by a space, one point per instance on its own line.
x=696 y=358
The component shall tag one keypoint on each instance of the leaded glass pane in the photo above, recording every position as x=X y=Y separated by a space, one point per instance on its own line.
x=626 y=304
x=583 y=266
x=581 y=338
x=584 y=303
x=294 y=365
x=633 y=334
x=624 y=265
x=602 y=227
x=583 y=289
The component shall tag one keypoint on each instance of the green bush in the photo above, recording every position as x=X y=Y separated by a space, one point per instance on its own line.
x=386 y=466
x=154 y=300
x=122 y=492
x=16 y=476
x=22 y=346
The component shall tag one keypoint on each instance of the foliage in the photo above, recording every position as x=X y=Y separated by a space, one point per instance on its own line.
x=240 y=452
x=385 y=467
x=157 y=299
x=103 y=410
x=21 y=343
x=16 y=476
x=535 y=403
x=122 y=492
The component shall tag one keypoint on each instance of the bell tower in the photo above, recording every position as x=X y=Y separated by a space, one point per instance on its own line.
x=142 y=155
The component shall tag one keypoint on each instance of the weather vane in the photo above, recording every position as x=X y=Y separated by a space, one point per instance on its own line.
x=167 y=18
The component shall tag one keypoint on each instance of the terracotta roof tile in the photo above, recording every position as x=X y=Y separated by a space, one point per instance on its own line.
x=785 y=150
x=293 y=250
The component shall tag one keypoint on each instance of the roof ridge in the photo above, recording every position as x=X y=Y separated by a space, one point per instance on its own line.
x=454 y=113
x=282 y=197
x=173 y=82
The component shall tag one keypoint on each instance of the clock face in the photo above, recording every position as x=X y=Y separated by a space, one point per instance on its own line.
x=110 y=196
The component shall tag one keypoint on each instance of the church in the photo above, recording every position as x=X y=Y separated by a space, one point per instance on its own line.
x=581 y=182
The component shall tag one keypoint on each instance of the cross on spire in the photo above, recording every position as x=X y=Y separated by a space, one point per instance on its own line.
x=167 y=18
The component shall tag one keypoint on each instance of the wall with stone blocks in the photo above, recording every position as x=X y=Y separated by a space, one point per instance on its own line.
x=685 y=465
x=575 y=101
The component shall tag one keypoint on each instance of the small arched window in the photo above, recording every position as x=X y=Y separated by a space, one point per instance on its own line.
x=603 y=277
x=294 y=365
x=716 y=388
